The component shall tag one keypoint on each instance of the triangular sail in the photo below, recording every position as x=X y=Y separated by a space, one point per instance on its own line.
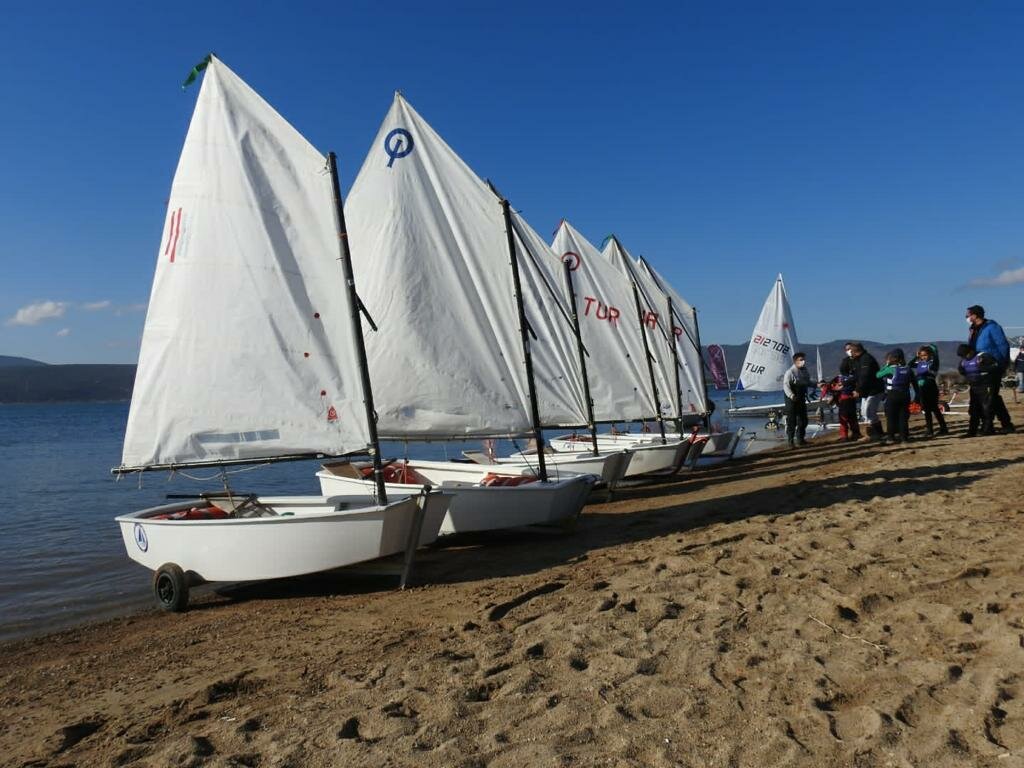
x=619 y=381
x=687 y=340
x=655 y=326
x=817 y=352
x=772 y=344
x=248 y=350
x=430 y=247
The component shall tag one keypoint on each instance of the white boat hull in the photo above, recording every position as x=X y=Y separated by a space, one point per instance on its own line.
x=650 y=455
x=483 y=508
x=309 y=534
x=609 y=465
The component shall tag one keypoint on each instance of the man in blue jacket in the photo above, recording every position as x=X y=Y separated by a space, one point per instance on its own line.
x=987 y=337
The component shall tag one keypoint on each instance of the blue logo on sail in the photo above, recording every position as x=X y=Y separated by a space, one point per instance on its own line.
x=397 y=144
x=140 y=537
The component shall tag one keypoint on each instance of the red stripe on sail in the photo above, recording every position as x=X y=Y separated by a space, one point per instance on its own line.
x=177 y=231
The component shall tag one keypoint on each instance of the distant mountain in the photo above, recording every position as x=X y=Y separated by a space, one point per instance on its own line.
x=6 y=361
x=833 y=352
x=40 y=383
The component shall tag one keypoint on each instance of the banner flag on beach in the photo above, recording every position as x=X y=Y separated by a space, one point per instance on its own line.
x=716 y=365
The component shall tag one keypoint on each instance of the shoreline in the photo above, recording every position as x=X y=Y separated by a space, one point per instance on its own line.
x=832 y=604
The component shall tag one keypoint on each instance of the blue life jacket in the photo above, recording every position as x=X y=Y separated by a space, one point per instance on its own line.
x=972 y=369
x=900 y=378
x=923 y=370
x=848 y=383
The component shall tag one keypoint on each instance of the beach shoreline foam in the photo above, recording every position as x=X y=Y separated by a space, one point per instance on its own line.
x=836 y=605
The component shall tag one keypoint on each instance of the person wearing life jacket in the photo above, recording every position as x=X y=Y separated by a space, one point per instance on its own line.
x=795 y=384
x=979 y=369
x=898 y=381
x=869 y=387
x=987 y=337
x=842 y=387
x=925 y=367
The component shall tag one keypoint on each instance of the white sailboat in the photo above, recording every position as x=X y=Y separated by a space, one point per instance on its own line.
x=622 y=387
x=466 y=347
x=251 y=353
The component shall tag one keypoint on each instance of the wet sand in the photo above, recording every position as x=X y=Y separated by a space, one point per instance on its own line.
x=838 y=605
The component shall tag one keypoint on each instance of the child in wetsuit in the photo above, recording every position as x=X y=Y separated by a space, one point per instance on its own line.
x=979 y=369
x=925 y=367
x=898 y=383
x=842 y=387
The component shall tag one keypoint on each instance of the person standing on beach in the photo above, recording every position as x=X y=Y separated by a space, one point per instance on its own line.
x=868 y=387
x=795 y=384
x=925 y=367
x=842 y=395
x=987 y=338
x=898 y=381
x=979 y=369
x=1018 y=368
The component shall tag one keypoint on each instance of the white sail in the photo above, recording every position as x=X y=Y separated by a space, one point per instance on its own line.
x=817 y=352
x=772 y=344
x=655 y=326
x=687 y=341
x=619 y=381
x=429 y=244
x=248 y=349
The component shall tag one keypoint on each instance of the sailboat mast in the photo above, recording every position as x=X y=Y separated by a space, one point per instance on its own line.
x=650 y=364
x=675 y=361
x=538 y=435
x=357 y=328
x=703 y=372
x=582 y=355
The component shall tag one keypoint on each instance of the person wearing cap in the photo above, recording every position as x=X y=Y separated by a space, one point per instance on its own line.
x=795 y=384
x=986 y=337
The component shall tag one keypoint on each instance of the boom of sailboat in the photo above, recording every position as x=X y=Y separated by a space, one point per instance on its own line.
x=422 y=308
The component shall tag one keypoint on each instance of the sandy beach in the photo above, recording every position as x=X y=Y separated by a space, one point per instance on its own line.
x=839 y=605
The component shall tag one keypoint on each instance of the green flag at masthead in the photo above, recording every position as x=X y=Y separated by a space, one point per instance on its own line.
x=195 y=71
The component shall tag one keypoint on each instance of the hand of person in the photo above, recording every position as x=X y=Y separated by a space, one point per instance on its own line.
x=855 y=393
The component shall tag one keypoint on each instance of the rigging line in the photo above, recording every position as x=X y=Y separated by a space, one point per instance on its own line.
x=366 y=312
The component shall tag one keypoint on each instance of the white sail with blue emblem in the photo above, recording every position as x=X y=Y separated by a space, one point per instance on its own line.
x=687 y=339
x=429 y=244
x=248 y=349
x=619 y=381
x=772 y=344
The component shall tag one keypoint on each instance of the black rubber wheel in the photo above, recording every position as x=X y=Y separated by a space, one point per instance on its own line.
x=170 y=587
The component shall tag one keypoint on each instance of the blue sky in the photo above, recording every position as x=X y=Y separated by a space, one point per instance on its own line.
x=872 y=154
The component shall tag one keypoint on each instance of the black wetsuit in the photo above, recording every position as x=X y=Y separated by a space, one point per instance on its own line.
x=928 y=394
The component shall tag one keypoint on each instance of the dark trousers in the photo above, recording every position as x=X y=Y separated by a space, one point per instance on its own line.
x=930 y=404
x=796 y=418
x=996 y=400
x=980 y=412
x=897 y=415
x=849 y=417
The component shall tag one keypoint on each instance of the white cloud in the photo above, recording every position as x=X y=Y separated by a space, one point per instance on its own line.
x=64 y=332
x=94 y=306
x=33 y=314
x=1006 y=277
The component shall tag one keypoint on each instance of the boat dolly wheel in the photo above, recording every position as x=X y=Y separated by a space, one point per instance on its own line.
x=170 y=587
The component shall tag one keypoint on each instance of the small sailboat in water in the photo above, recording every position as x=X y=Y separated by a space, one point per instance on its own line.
x=252 y=353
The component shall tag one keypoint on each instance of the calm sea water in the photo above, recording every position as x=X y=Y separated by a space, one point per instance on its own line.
x=62 y=561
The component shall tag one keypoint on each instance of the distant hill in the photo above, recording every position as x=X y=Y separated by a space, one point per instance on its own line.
x=833 y=352
x=6 y=361
x=40 y=383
